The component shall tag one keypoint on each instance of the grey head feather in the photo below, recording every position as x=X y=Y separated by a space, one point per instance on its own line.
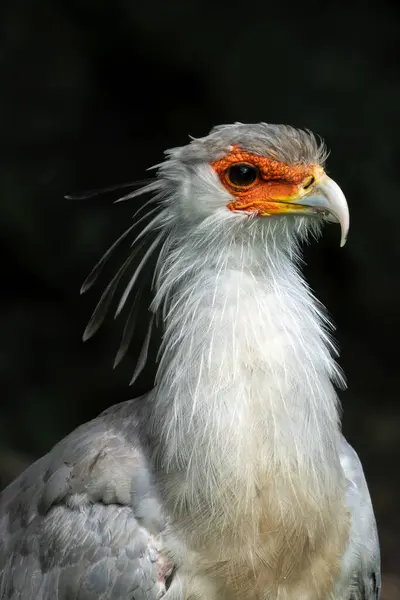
x=278 y=142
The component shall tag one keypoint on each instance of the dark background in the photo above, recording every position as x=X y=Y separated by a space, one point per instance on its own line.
x=91 y=94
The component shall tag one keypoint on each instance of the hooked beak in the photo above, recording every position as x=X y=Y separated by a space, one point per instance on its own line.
x=326 y=199
x=316 y=195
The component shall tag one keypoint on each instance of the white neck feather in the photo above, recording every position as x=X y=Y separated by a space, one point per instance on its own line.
x=244 y=396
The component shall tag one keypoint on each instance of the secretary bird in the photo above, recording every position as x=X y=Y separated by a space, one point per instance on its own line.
x=231 y=479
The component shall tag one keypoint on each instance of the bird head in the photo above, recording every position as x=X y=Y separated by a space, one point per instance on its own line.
x=240 y=179
x=274 y=172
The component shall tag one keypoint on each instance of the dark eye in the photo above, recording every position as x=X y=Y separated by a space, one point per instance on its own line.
x=242 y=174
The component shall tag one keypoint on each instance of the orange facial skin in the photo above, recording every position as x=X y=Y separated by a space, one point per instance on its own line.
x=276 y=188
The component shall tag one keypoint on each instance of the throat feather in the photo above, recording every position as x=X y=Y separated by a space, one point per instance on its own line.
x=246 y=412
x=244 y=393
x=245 y=354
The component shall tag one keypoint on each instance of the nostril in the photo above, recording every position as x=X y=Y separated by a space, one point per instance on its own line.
x=308 y=182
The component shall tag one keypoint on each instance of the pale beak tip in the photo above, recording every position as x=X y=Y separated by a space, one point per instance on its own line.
x=343 y=237
x=344 y=227
x=334 y=201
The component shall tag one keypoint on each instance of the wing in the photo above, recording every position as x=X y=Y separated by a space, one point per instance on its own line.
x=83 y=523
x=361 y=572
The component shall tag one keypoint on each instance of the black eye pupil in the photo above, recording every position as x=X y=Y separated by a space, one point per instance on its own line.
x=242 y=174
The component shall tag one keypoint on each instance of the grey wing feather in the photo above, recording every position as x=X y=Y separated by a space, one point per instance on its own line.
x=83 y=523
x=361 y=571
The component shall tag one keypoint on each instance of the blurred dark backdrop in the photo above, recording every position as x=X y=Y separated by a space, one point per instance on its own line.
x=91 y=94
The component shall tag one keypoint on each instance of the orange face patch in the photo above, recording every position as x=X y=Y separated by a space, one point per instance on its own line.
x=275 y=181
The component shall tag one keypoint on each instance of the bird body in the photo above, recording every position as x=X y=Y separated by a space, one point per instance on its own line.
x=231 y=479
